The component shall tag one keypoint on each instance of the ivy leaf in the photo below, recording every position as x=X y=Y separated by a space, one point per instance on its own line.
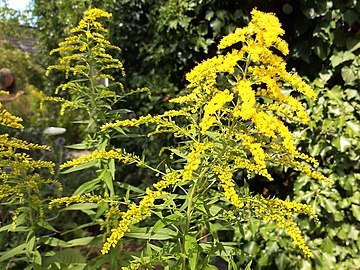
x=209 y=15
x=352 y=128
x=341 y=143
x=356 y=211
x=282 y=261
x=216 y=25
x=348 y=75
x=350 y=17
x=335 y=94
x=341 y=57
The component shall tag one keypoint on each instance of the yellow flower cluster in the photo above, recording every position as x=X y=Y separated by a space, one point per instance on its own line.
x=84 y=198
x=132 y=266
x=7 y=190
x=9 y=120
x=225 y=176
x=138 y=212
x=258 y=154
x=118 y=154
x=215 y=104
x=90 y=18
x=17 y=143
x=282 y=212
x=17 y=163
x=85 y=54
x=25 y=189
x=64 y=103
x=135 y=214
x=304 y=168
x=193 y=161
x=148 y=119
x=247 y=109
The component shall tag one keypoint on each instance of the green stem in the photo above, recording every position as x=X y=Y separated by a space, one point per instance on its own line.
x=189 y=212
x=187 y=222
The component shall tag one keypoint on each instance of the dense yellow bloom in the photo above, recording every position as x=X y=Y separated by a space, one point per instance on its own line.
x=118 y=154
x=193 y=161
x=247 y=109
x=85 y=198
x=9 y=120
x=135 y=214
x=138 y=212
x=148 y=119
x=258 y=155
x=282 y=213
x=215 y=104
x=17 y=143
x=227 y=184
x=90 y=18
x=85 y=54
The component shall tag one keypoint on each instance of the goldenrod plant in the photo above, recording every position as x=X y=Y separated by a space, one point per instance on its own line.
x=231 y=126
x=89 y=67
x=24 y=195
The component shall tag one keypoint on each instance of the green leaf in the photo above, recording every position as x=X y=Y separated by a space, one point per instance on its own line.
x=282 y=262
x=350 y=17
x=252 y=248
x=80 y=241
x=177 y=216
x=30 y=243
x=356 y=211
x=352 y=93
x=352 y=128
x=342 y=143
x=87 y=187
x=46 y=225
x=341 y=57
x=20 y=249
x=112 y=167
x=348 y=75
x=352 y=44
x=79 y=146
x=66 y=257
x=335 y=93
x=214 y=227
x=103 y=206
x=322 y=50
x=210 y=267
x=209 y=15
x=328 y=245
x=191 y=250
x=248 y=266
x=129 y=187
x=10 y=228
x=216 y=25
x=146 y=233
x=81 y=206
x=55 y=242
x=108 y=180
x=305 y=265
